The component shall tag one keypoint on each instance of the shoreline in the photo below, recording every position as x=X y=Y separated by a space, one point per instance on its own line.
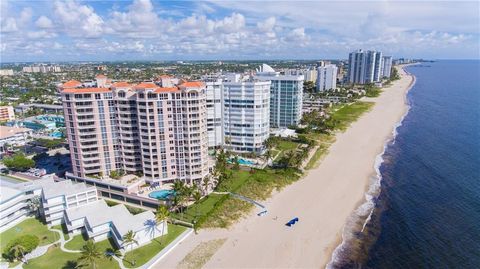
x=323 y=199
x=372 y=188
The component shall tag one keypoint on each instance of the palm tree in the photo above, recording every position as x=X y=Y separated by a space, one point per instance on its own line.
x=179 y=191
x=129 y=240
x=162 y=216
x=205 y=184
x=110 y=253
x=34 y=205
x=90 y=254
x=196 y=196
x=18 y=251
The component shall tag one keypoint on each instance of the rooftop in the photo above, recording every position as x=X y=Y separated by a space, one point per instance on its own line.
x=192 y=84
x=6 y=131
x=98 y=213
x=86 y=90
x=71 y=84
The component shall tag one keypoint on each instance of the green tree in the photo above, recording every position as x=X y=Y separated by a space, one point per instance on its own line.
x=197 y=196
x=90 y=254
x=18 y=247
x=34 y=205
x=129 y=240
x=110 y=253
x=309 y=86
x=18 y=162
x=18 y=251
x=162 y=216
x=236 y=164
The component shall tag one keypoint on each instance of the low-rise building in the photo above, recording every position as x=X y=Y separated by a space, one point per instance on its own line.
x=99 y=221
x=6 y=72
x=7 y=113
x=77 y=206
x=13 y=136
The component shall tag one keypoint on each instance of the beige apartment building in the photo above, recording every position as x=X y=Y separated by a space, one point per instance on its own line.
x=160 y=132
x=7 y=113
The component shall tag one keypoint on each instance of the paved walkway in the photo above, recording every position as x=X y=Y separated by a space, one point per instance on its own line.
x=63 y=241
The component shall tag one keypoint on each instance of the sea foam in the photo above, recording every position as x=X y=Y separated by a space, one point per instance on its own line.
x=365 y=210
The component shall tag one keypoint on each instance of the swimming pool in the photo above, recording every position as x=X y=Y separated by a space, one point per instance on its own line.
x=242 y=161
x=161 y=194
x=57 y=134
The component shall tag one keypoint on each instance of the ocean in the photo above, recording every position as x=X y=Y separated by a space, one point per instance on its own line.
x=425 y=202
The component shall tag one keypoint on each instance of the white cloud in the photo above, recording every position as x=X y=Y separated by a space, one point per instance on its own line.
x=8 y=25
x=44 y=22
x=79 y=20
x=234 y=29
x=139 y=20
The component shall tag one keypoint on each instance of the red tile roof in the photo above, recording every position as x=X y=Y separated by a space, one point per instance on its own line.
x=86 y=90
x=146 y=85
x=71 y=84
x=192 y=84
x=121 y=84
x=162 y=90
x=101 y=76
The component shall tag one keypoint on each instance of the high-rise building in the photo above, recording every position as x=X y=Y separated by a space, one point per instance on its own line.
x=387 y=66
x=327 y=77
x=246 y=114
x=160 y=132
x=214 y=93
x=286 y=92
x=378 y=67
x=365 y=67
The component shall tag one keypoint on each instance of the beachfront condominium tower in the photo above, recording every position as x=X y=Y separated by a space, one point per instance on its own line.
x=327 y=77
x=387 y=66
x=246 y=114
x=378 y=67
x=158 y=131
x=214 y=97
x=365 y=67
x=286 y=92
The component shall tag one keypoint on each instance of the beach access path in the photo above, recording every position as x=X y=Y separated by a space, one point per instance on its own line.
x=322 y=200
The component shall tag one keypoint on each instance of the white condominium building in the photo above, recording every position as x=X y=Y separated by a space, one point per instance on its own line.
x=158 y=131
x=365 y=67
x=214 y=92
x=327 y=77
x=285 y=96
x=246 y=114
x=387 y=66
x=77 y=206
x=54 y=199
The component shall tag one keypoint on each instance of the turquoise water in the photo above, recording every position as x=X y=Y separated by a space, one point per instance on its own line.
x=161 y=194
x=242 y=161
x=57 y=134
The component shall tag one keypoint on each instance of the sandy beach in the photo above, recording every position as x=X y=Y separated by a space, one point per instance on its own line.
x=322 y=200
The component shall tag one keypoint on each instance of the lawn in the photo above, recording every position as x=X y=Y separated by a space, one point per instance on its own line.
x=350 y=113
x=283 y=146
x=202 y=208
x=145 y=253
x=29 y=226
x=256 y=184
x=323 y=141
x=56 y=258
x=63 y=229
x=76 y=243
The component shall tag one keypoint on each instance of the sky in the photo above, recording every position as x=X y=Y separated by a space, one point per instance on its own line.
x=139 y=30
